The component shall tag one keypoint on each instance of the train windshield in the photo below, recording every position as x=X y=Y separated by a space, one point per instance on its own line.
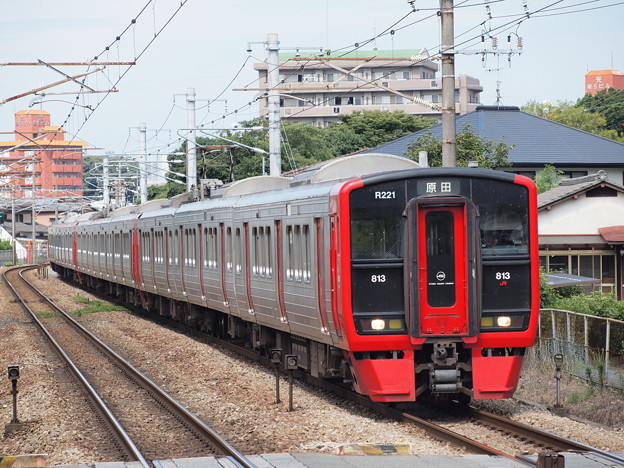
x=503 y=219
x=377 y=223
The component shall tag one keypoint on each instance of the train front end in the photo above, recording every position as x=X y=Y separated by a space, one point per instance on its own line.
x=437 y=280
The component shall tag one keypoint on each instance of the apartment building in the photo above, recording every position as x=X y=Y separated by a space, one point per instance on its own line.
x=318 y=90
x=39 y=162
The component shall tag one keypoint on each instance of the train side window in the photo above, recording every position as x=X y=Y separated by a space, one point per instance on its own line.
x=126 y=246
x=268 y=252
x=176 y=247
x=306 y=273
x=228 y=249
x=116 y=247
x=255 y=267
x=290 y=238
x=161 y=247
x=170 y=249
x=238 y=252
x=190 y=247
x=214 y=242
x=194 y=245
x=261 y=253
x=210 y=247
x=297 y=253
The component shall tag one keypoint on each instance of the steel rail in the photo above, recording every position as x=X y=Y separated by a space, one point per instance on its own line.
x=205 y=431
x=111 y=421
x=554 y=440
x=435 y=431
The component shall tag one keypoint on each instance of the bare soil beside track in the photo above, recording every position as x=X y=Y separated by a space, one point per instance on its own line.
x=230 y=393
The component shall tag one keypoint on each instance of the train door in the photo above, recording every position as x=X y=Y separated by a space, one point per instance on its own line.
x=241 y=271
x=231 y=268
x=443 y=261
x=442 y=271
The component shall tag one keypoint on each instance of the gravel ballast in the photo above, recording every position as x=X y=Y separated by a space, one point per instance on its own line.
x=231 y=394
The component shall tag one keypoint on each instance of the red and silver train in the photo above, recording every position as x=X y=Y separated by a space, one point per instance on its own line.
x=399 y=279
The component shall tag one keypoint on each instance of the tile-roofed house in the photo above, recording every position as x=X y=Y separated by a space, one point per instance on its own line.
x=581 y=230
x=536 y=141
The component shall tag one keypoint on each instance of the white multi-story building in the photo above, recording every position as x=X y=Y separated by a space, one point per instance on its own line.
x=318 y=90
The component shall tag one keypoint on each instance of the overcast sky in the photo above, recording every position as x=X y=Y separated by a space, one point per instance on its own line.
x=205 y=45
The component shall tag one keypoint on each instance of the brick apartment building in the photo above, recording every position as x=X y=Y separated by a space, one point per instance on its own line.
x=40 y=159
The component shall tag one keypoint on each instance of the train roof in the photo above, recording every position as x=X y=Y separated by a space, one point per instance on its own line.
x=347 y=167
x=312 y=181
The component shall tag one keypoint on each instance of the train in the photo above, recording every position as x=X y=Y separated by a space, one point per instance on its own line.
x=401 y=281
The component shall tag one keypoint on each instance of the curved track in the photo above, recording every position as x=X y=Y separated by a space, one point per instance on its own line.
x=521 y=437
x=155 y=425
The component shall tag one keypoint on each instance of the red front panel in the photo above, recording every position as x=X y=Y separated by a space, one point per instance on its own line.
x=442 y=280
x=494 y=377
x=386 y=380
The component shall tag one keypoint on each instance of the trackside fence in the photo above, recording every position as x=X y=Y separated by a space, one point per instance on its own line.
x=593 y=347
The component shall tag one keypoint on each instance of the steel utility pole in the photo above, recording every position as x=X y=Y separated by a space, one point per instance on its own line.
x=449 y=155
x=13 y=236
x=33 y=211
x=105 y=182
x=275 y=154
x=191 y=146
x=143 y=162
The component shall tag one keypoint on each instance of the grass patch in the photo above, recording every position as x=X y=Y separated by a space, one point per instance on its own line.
x=93 y=306
x=46 y=314
x=576 y=398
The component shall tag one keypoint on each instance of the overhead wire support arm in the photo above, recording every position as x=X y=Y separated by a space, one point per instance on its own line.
x=36 y=90
x=67 y=76
x=62 y=64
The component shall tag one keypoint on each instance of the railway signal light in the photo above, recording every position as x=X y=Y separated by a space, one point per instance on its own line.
x=291 y=362
x=291 y=365
x=276 y=356
x=13 y=373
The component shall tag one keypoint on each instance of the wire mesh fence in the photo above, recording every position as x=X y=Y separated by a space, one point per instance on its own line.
x=593 y=347
x=37 y=254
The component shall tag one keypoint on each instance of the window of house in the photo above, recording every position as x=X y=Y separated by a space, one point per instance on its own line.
x=599 y=264
x=572 y=174
x=600 y=192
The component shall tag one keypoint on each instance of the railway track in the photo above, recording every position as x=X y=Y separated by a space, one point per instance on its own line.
x=145 y=423
x=449 y=423
x=525 y=442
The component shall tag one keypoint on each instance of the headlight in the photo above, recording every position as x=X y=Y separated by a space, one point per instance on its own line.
x=494 y=322
x=378 y=324
x=503 y=321
x=381 y=325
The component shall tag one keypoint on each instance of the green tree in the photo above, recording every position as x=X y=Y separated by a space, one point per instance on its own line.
x=608 y=103
x=470 y=147
x=547 y=179
x=375 y=128
x=573 y=115
x=220 y=157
